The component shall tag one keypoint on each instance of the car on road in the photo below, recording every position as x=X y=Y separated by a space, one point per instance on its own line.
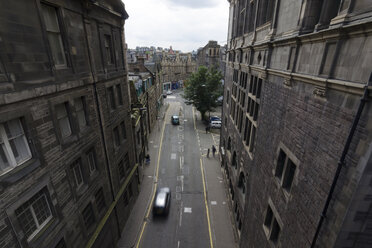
x=162 y=201
x=215 y=122
x=189 y=102
x=175 y=120
x=169 y=92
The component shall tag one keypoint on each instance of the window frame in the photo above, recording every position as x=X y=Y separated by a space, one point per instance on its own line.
x=83 y=109
x=32 y=209
x=62 y=43
x=78 y=185
x=92 y=152
x=284 y=160
x=90 y=206
x=272 y=220
x=5 y=143
x=68 y=116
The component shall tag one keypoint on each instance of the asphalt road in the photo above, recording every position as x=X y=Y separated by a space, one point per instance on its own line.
x=179 y=169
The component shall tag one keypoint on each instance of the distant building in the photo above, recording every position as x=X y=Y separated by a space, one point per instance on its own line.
x=175 y=68
x=146 y=98
x=212 y=55
x=68 y=176
x=296 y=76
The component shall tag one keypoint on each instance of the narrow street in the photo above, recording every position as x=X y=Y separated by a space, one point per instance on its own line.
x=199 y=214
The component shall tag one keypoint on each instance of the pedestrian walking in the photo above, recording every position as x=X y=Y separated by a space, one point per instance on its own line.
x=213 y=150
x=208 y=153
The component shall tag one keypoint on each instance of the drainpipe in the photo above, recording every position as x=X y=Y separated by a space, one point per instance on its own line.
x=341 y=162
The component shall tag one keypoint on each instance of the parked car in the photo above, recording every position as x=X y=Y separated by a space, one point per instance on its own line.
x=188 y=102
x=162 y=201
x=215 y=124
x=214 y=118
x=169 y=92
x=175 y=120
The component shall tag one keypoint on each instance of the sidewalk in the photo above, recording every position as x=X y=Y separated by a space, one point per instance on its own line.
x=133 y=226
x=223 y=233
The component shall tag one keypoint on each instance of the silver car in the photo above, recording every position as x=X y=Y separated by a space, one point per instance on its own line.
x=162 y=202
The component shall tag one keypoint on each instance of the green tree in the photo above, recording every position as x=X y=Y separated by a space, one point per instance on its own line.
x=203 y=88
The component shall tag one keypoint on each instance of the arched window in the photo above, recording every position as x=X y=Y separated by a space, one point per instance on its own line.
x=234 y=162
x=241 y=182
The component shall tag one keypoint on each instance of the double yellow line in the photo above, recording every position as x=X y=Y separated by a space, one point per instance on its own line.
x=204 y=191
x=153 y=193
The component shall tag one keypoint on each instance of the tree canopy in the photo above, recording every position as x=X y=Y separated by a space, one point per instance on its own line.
x=203 y=88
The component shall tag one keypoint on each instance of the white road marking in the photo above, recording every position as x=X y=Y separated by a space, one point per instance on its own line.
x=213 y=203
x=178 y=196
x=173 y=155
x=180 y=148
x=178 y=246
x=185 y=120
x=171 y=97
x=188 y=210
x=223 y=203
x=178 y=189
x=156 y=146
x=151 y=141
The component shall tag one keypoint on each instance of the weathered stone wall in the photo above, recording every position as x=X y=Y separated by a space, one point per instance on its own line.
x=311 y=90
x=30 y=88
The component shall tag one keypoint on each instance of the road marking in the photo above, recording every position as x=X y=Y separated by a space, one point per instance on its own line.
x=180 y=148
x=188 y=210
x=155 y=185
x=173 y=155
x=178 y=196
x=178 y=189
x=213 y=203
x=206 y=204
x=178 y=246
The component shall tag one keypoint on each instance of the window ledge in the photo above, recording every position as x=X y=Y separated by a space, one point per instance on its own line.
x=66 y=141
x=19 y=172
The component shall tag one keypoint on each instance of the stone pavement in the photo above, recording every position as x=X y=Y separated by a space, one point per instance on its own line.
x=224 y=234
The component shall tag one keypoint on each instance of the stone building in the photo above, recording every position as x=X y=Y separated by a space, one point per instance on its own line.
x=175 y=68
x=296 y=139
x=147 y=98
x=68 y=176
x=212 y=55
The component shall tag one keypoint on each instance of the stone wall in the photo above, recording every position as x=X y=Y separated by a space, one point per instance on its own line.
x=312 y=83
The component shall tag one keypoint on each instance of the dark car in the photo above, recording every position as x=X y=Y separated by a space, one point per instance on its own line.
x=175 y=120
x=162 y=202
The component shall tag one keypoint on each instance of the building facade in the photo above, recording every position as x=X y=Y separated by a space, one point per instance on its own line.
x=146 y=98
x=68 y=176
x=212 y=55
x=175 y=69
x=296 y=139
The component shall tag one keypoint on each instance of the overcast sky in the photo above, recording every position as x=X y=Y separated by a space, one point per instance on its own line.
x=185 y=25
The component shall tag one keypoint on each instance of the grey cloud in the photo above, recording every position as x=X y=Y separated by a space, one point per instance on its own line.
x=194 y=4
